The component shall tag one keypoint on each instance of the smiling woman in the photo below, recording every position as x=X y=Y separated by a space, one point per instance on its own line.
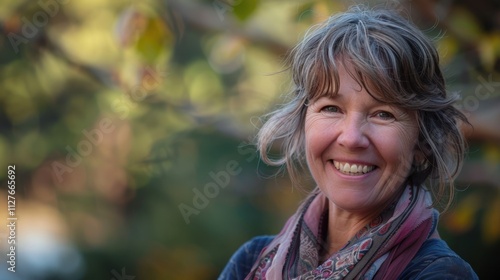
x=353 y=149
x=368 y=101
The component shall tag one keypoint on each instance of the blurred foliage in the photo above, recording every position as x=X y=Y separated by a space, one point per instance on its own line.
x=116 y=113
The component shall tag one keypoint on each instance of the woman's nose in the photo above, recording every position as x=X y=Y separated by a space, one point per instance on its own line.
x=352 y=132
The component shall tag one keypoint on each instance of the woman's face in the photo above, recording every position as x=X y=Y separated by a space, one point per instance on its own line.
x=358 y=150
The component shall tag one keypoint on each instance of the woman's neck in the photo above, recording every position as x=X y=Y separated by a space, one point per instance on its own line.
x=342 y=226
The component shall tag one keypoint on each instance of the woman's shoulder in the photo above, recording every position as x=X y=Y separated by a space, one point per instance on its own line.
x=435 y=260
x=243 y=259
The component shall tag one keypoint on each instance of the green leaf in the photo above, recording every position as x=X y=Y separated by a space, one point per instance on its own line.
x=243 y=9
x=152 y=42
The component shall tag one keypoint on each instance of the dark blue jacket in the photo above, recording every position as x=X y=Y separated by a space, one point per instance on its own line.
x=435 y=260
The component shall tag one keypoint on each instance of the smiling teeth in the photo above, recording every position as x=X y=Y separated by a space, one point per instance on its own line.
x=353 y=169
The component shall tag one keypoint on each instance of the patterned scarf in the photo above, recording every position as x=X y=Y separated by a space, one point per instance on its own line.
x=382 y=248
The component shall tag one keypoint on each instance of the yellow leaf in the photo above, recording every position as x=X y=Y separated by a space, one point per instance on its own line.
x=142 y=28
x=489 y=50
x=462 y=218
x=491 y=223
x=447 y=48
x=492 y=153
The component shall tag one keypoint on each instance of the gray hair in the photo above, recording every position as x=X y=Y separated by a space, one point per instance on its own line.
x=390 y=57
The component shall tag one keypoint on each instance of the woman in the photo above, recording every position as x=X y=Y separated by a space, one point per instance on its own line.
x=371 y=118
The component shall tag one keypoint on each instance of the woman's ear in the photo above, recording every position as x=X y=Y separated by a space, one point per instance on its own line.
x=420 y=167
x=420 y=161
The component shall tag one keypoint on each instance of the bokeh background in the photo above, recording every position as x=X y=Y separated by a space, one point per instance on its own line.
x=130 y=125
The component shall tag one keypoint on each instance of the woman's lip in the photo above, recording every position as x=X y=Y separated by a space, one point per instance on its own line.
x=357 y=162
x=353 y=175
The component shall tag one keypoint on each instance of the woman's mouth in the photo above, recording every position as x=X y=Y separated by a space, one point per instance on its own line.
x=353 y=169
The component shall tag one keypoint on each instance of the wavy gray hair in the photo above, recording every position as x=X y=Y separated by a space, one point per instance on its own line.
x=397 y=64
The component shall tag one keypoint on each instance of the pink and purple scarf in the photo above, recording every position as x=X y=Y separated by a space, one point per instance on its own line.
x=381 y=249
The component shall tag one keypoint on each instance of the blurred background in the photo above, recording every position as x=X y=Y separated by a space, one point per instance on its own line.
x=130 y=126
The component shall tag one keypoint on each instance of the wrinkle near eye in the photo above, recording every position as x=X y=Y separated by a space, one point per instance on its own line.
x=311 y=119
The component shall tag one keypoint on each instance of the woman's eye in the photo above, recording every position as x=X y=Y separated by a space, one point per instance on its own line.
x=330 y=109
x=384 y=115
